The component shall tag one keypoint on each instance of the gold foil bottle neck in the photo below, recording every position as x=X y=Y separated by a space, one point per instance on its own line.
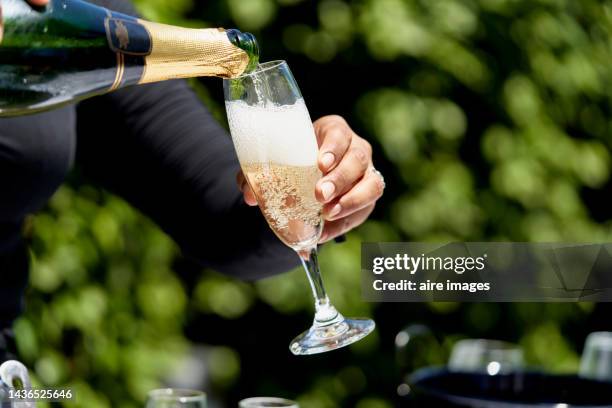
x=184 y=53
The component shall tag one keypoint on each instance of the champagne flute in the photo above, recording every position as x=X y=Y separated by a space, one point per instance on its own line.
x=267 y=402
x=176 y=398
x=486 y=356
x=277 y=148
x=596 y=361
x=13 y=374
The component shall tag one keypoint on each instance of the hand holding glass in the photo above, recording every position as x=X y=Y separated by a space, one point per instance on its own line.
x=277 y=148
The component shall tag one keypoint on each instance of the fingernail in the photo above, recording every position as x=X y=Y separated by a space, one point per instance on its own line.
x=328 y=159
x=335 y=210
x=327 y=189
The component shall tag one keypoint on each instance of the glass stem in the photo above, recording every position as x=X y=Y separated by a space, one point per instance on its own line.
x=325 y=312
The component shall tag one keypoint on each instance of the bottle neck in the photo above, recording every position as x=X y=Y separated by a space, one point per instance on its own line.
x=248 y=43
x=177 y=52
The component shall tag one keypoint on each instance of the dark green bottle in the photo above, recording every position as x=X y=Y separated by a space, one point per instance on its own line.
x=72 y=50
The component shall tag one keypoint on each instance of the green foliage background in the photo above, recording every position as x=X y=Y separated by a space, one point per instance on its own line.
x=490 y=120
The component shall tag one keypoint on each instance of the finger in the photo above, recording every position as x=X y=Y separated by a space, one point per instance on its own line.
x=350 y=170
x=247 y=192
x=334 y=138
x=249 y=196
x=336 y=228
x=362 y=195
x=38 y=3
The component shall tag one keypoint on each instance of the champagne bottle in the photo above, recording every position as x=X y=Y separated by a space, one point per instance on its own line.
x=71 y=50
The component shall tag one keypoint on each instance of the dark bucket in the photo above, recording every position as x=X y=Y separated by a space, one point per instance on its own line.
x=438 y=387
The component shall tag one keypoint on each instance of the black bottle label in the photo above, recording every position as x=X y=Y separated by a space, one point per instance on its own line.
x=127 y=36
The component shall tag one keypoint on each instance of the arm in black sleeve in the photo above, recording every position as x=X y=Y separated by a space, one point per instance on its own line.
x=159 y=148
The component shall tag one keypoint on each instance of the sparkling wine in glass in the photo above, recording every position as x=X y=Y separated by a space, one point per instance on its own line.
x=277 y=148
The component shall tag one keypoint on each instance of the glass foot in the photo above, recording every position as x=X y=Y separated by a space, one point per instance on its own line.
x=322 y=338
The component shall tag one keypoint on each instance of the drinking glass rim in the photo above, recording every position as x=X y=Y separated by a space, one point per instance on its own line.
x=261 y=68
x=489 y=344
x=183 y=394
x=601 y=339
x=292 y=404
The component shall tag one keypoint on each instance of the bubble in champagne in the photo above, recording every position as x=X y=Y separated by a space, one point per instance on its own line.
x=287 y=199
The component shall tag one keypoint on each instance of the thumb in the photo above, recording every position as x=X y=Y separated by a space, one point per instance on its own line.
x=249 y=195
x=247 y=192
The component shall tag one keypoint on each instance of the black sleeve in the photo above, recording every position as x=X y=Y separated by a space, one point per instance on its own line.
x=158 y=147
x=36 y=153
